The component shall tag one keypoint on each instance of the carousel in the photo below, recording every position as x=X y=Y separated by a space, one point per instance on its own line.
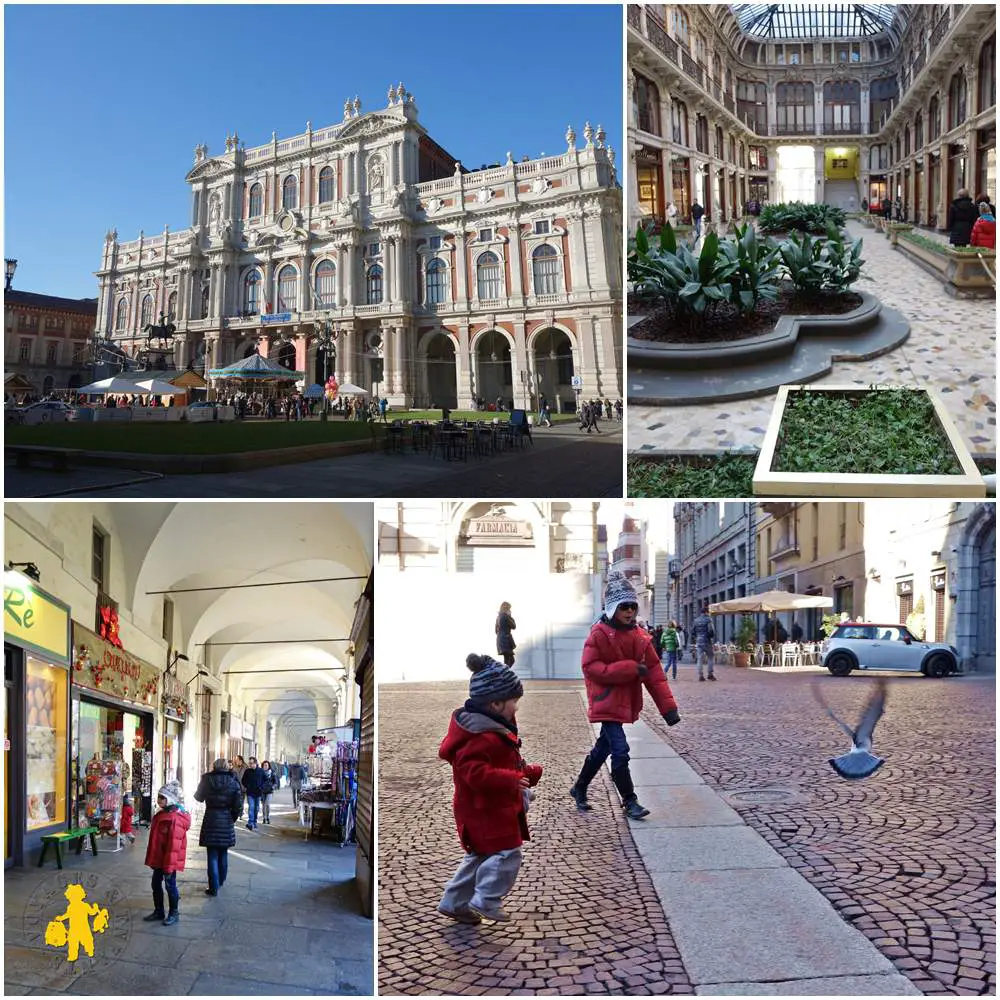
x=255 y=374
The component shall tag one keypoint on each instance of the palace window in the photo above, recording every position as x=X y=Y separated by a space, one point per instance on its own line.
x=957 y=100
x=121 y=316
x=701 y=133
x=679 y=121
x=435 y=243
x=545 y=269
x=485 y=235
x=841 y=106
x=437 y=273
x=172 y=306
x=24 y=351
x=326 y=185
x=751 y=105
x=326 y=285
x=488 y=276
x=205 y=288
x=988 y=74
x=251 y=293
x=288 y=289
x=918 y=131
x=51 y=353
x=373 y=285
x=934 y=118
x=795 y=108
x=542 y=227
x=647 y=105
x=289 y=192
x=680 y=26
x=906 y=141
x=256 y=201
x=146 y=316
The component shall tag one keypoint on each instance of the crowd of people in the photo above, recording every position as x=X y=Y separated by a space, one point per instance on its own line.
x=591 y=411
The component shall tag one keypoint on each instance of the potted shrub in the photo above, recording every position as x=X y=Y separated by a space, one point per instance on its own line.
x=960 y=269
x=879 y=441
x=746 y=639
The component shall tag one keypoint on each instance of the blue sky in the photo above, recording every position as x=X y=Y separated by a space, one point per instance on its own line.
x=103 y=105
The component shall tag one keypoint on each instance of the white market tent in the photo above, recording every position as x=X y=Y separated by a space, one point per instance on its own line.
x=159 y=388
x=771 y=601
x=113 y=384
x=349 y=389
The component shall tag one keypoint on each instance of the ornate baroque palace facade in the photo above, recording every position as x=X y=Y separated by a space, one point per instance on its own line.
x=838 y=103
x=366 y=251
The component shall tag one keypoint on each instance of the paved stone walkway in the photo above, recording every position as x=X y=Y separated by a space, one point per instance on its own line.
x=564 y=462
x=952 y=348
x=905 y=860
x=287 y=922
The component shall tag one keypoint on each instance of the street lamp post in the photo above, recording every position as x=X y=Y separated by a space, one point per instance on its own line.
x=325 y=345
x=10 y=266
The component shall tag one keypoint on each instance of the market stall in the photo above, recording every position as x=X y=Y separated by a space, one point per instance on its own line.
x=327 y=807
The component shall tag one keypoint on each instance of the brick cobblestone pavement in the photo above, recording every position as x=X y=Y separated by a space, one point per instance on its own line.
x=908 y=857
x=586 y=918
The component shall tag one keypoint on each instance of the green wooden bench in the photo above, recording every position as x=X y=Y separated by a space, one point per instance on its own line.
x=65 y=837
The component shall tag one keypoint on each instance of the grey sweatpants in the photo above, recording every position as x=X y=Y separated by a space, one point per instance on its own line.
x=482 y=880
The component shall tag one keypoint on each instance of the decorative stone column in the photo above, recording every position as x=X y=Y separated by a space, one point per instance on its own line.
x=519 y=362
x=463 y=369
x=461 y=268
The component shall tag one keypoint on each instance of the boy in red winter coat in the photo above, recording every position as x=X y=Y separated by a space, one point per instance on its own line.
x=491 y=790
x=167 y=849
x=618 y=661
x=128 y=814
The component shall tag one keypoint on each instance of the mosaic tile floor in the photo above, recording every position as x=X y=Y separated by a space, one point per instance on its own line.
x=951 y=348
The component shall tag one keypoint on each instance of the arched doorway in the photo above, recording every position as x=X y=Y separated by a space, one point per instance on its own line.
x=75 y=382
x=286 y=355
x=796 y=175
x=493 y=375
x=442 y=372
x=553 y=363
x=984 y=643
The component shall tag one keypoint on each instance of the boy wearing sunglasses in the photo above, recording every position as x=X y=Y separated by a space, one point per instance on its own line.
x=618 y=661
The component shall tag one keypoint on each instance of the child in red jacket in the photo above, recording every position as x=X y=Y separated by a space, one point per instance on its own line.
x=166 y=850
x=491 y=785
x=128 y=814
x=618 y=661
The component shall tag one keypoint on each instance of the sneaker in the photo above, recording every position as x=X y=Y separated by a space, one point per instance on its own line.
x=700 y=677
x=155 y=915
x=499 y=915
x=580 y=798
x=711 y=677
x=463 y=915
x=635 y=811
x=172 y=918
x=211 y=892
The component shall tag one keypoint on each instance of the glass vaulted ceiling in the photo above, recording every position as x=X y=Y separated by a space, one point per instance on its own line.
x=823 y=20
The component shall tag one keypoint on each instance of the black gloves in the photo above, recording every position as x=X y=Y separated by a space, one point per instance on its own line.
x=672 y=717
x=643 y=669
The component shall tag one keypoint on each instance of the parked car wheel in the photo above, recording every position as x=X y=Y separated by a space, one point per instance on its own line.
x=938 y=666
x=840 y=665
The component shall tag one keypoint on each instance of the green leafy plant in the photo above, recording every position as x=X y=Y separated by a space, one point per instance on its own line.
x=751 y=269
x=746 y=635
x=937 y=247
x=796 y=215
x=830 y=622
x=804 y=263
x=844 y=260
x=728 y=475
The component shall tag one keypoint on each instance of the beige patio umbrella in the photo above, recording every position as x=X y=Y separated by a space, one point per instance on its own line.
x=771 y=601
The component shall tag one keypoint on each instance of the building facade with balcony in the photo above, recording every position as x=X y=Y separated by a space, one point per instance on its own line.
x=365 y=250
x=714 y=548
x=787 y=102
x=47 y=341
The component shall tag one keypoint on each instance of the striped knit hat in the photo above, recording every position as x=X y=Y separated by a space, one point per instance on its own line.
x=491 y=681
x=619 y=591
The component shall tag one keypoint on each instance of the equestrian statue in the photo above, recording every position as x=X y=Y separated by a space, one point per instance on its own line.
x=161 y=331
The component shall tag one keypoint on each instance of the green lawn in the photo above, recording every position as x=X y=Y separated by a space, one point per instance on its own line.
x=468 y=415
x=187 y=439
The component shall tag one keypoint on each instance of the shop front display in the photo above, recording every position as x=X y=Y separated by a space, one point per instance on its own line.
x=114 y=694
x=104 y=796
x=36 y=683
x=328 y=806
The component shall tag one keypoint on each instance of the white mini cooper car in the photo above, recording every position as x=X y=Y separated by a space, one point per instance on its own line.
x=867 y=646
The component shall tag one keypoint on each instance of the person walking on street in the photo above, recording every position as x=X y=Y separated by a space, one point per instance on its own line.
x=670 y=643
x=223 y=798
x=962 y=216
x=271 y=784
x=492 y=782
x=239 y=769
x=166 y=850
x=696 y=216
x=504 y=629
x=254 y=782
x=703 y=635
x=618 y=662
x=681 y=642
x=296 y=776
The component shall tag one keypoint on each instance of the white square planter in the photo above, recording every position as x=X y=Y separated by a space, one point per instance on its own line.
x=767 y=482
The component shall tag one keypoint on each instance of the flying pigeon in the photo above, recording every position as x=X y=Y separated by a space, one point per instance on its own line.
x=859 y=762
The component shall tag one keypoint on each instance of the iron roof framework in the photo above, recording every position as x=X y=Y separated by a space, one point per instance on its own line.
x=798 y=20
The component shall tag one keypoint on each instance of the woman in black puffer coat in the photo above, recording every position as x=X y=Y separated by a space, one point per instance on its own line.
x=505 y=625
x=223 y=798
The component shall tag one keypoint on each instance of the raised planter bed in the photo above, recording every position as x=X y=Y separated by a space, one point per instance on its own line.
x=962 y=274
x=769 y=480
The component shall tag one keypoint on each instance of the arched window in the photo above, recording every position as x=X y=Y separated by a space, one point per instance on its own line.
x=251 y=293
x=751 y=105
x=146 y=316
x=172 y=307
x=882 y=95
x=934 y=118
x=437 y=281
x=256 y=201
x=288 y=289
x=906 y=141
x=204 y=300
x=918 y=132
x=679 y=121
x=290 y=193
x=680 y=26
x=326 y=185
x=373 y=285
x=647 y=105
x=121 y=316
x=957 y=100
x=841 y=107
x=325 y=288
x=988 y=74
x=545 y=270
x=795 y=108
x=488 y=276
